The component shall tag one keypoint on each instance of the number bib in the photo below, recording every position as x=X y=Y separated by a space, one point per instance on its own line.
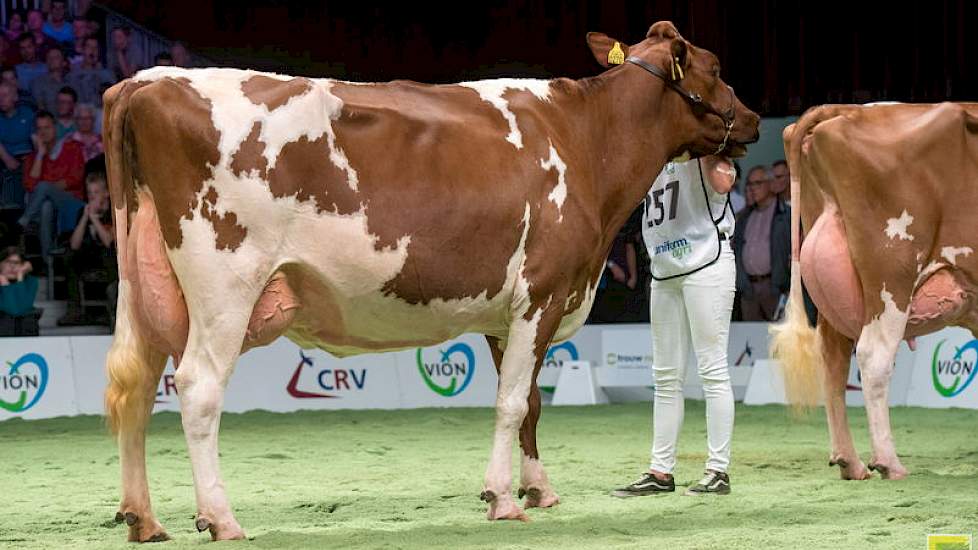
x=679 y=226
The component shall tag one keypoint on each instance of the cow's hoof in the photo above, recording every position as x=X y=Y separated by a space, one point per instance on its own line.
x=502 y=507
x=851 y=469
x=229 y=530
x=889 y=471
x=142 y=529
x=539 y=498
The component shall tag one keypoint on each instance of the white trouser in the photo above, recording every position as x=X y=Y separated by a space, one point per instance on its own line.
x=697 y=306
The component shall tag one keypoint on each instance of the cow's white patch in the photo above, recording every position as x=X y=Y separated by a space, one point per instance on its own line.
x=308 y=115
x=881 y=103
x=559 y=192
x=897 y=227
x=887 y=328
x=951 y=253
x=491 y=91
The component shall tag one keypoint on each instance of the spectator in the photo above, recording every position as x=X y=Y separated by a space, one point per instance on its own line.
x=17 y=287
x=35 y=26
x=90 y=79
x=29 y=67
x=46 y=87
x=618 y=297
x=16 y=122
x=66 y=101
x=762 y=244
x=124 y=56
x=56 y=27
x=15 y=27
x=80 y=28
x=53 y=177
x=781 y=184
x=24 y=97
x=90 y=141
x=91 y=247
x=163 y=59
x=180 y=55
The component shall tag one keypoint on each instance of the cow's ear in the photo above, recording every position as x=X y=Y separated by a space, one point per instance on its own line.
x=607 y=51
x=679 y=50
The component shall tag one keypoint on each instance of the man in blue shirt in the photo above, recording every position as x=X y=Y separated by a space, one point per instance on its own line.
x=29 y=68
x=16 y=124
x=56 y=27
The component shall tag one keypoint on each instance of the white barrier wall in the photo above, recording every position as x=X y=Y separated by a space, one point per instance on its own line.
x=46 y=377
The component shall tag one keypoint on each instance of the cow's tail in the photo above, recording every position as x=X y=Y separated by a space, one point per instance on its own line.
x=133 y=366
x=794 y=342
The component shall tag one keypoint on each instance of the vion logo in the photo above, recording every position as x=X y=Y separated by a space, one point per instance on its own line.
x=447 y=372
x=22 y=386
x=558 y=354
x=331 y=379
x=951 y=375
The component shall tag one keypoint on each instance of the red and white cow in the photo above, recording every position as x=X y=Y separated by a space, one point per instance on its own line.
x=368 y=217
x=888 y=254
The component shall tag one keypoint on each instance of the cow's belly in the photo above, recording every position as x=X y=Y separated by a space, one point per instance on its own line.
x=344 y=325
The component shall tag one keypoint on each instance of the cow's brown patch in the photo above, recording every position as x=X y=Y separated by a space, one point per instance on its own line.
x=174 y=150
x=249 y=157
x=461 y=207
x=304 y=170
x=273 y=93
x=229 y=233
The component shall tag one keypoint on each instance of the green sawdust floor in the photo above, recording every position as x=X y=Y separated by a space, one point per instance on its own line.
x=411 y=479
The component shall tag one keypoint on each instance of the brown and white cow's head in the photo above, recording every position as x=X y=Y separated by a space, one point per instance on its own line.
x=713 y=118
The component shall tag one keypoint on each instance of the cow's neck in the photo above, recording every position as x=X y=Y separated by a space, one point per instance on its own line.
x=637 y=123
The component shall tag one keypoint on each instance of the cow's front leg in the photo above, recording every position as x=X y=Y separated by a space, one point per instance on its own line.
x=534 y=484
x=529 y=336
x=875 y=352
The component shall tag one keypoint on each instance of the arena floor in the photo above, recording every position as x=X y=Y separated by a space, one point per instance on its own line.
x=410 y=479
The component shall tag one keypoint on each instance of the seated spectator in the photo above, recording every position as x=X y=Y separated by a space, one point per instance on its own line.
x=17 y=287
x=45 y=88
x=85 y=134
x=65 y=112
x=91 y=247
x=29 y=67
x=737 y=200
x=35 y=26
x=90 y=79
x=162 y=59
x=180 y=55
x=80 y=28
x=15 y=27
x=52 y=177
x=56 y=27
x=124 y=55
x=16 y=123
x=24 y=98
x=762 y=245
x=618 y=299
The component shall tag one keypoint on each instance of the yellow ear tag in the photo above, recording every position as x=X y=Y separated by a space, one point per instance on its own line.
x=616 y=56
x=677 y=68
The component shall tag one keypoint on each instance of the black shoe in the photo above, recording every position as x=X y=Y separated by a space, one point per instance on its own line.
x=713 y=483
x=648 y=484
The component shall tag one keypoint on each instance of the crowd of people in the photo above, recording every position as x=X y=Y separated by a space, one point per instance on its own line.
x=53 y=197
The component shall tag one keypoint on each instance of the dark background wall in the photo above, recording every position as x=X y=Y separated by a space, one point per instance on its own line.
x=780 y=56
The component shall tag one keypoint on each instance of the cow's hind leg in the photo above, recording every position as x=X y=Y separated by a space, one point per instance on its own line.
x=875 y=352
x=213 y=347
x=836 y=352
x=134 y=369
x=529 y=337
x=534 y=484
